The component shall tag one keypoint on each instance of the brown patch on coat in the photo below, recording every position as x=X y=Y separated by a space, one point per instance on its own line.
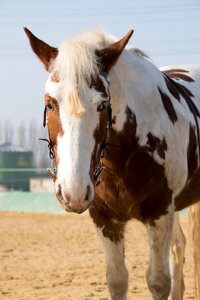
x=154 y=144
x=179 y=74
x=168 y=105
x=54 y=123
x=103 y=219
x=187 y=95
x=172 y=88
x=98 y=85
x=134 y=185
x=114 y=120
x=192 y=153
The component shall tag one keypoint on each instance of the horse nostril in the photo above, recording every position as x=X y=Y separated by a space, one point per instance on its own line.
x=87 y=197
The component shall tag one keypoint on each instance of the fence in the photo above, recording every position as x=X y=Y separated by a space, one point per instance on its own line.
x=29 y=202
x=17 y=186
x=19 y=178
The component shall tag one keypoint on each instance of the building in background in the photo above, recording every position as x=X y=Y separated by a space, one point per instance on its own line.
x=16 y=166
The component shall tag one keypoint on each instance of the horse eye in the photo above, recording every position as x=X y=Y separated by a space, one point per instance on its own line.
x=50 y=107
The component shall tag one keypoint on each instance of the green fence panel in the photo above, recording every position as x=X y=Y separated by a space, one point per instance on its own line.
x=29 y=202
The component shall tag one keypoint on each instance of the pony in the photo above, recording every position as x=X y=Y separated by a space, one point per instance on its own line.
x=125 y=143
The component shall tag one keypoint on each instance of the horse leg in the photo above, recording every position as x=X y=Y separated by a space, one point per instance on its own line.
x=177 y=260
x=158 y=273
x=111 y=233
x=116 y=272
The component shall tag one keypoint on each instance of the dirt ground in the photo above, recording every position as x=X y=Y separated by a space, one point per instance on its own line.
x=57 y=257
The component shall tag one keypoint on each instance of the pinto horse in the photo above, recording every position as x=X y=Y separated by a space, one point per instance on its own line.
x=125 y=140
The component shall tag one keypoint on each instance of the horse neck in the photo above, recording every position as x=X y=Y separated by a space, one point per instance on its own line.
x=134 y=83
x=136 y=105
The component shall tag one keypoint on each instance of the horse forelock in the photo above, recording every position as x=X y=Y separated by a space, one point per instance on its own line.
x=76 y=65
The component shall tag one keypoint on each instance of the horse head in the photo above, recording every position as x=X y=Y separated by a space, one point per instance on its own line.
x=77 y=112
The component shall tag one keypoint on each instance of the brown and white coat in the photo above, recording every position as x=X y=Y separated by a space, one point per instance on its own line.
x=152 y=149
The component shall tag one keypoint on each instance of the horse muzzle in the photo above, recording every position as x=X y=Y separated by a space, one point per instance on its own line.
x=77 y=205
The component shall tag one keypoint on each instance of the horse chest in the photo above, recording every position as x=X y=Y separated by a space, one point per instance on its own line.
x=139 y=190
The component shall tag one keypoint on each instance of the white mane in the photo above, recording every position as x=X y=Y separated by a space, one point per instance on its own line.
x=76 y=63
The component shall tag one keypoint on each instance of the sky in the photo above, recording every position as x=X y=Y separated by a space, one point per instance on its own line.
x=168 y=31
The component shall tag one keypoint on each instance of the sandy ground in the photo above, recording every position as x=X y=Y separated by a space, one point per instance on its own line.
x=57 y=257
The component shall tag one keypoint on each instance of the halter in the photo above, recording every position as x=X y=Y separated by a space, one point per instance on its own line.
x=52 y=170
x=101 y=147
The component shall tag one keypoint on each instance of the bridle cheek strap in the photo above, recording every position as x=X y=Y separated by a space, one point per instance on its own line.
x=101 y=147
x=52 y=170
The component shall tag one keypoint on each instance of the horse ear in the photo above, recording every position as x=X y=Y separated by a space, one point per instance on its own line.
x=109 y=56
x=43 y=51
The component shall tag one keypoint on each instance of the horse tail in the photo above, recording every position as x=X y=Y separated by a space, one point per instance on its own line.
x=194 y=217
